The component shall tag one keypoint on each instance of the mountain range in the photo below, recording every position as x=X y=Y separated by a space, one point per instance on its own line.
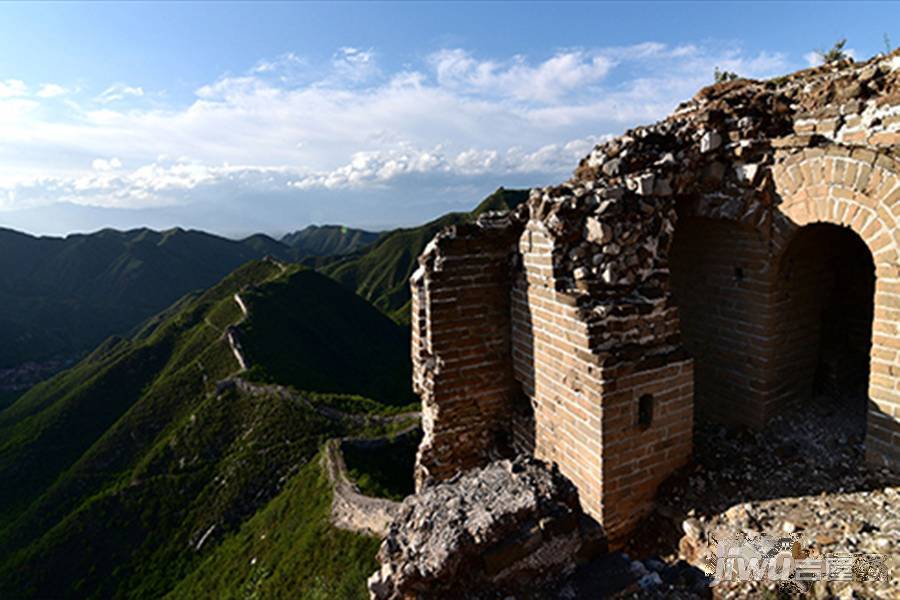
x=329 y=240
x=60 y=297
x=181 y=459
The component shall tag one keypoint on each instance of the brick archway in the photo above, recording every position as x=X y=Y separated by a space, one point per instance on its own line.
x=855 y=188
x=858 y=189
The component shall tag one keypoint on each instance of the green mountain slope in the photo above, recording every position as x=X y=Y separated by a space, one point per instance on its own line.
x=381 y=273
x=287 y=551
x=122 y=475
x=63 y=296
x=308 y=332
x=329 y=240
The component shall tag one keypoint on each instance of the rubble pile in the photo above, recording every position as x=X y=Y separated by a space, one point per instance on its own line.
x=804 y=475
x=612 y=222
x=510 y=527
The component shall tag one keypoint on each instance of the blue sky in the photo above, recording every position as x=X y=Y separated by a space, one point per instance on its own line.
x=267 y=117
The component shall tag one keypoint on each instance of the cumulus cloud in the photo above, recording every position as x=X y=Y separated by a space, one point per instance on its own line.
x=103 y=164
x=546 y=81
x=117 y=92
x=284 y=62
x=366 y=169
x=354 y=64
x=51 y=90
x=13 y=88
x=348 y=125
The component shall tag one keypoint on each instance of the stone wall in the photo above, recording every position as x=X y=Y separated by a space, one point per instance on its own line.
x=556 y=330
x=350 y=509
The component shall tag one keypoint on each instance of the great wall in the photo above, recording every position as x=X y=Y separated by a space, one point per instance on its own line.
x=723 y=265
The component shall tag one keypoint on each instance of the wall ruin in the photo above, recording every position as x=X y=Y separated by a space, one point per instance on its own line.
x=575 y=330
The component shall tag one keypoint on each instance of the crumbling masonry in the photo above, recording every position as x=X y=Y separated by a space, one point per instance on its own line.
x=726 y=259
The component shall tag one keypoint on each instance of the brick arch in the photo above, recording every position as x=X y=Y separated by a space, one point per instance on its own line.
x=859 y=189
x=856 y=188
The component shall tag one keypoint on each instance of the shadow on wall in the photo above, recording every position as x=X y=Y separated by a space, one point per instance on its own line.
x=782 y=352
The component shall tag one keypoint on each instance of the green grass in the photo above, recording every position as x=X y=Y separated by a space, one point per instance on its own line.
x=386 y=471
x=287 y=550
x=356 y=404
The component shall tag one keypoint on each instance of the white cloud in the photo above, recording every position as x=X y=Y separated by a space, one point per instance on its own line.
x=285 y=61
x=51 y=90
x=117 y=92
x=12 y=88
x=545 y=82
x=354 y=64
x=102 y=164
x=380 y=167
x=343 y=126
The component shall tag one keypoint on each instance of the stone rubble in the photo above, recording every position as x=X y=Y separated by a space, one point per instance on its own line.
x=805 y=474
x=511 y=527
x=613 y=221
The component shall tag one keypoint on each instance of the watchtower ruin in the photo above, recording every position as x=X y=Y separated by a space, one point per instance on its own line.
x=727 y=261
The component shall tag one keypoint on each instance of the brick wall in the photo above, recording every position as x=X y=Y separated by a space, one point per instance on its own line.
x=585 y=404
x=722 y=284
x=556 y=373
x=462 y=361
x=753 y=320
x=639 y=455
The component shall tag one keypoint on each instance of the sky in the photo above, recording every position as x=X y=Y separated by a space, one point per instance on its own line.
x=239 y=118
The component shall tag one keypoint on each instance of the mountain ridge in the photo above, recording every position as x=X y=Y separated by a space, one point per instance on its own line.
x=329 y=240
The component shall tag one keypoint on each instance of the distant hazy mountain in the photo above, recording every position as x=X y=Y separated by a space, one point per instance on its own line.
x=329 y=240
x=125 y=475
x=381 y=273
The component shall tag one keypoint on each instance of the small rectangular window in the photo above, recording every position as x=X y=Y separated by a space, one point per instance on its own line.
x=645 y=411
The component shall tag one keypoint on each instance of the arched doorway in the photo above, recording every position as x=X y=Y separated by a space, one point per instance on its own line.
x=824 y=308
